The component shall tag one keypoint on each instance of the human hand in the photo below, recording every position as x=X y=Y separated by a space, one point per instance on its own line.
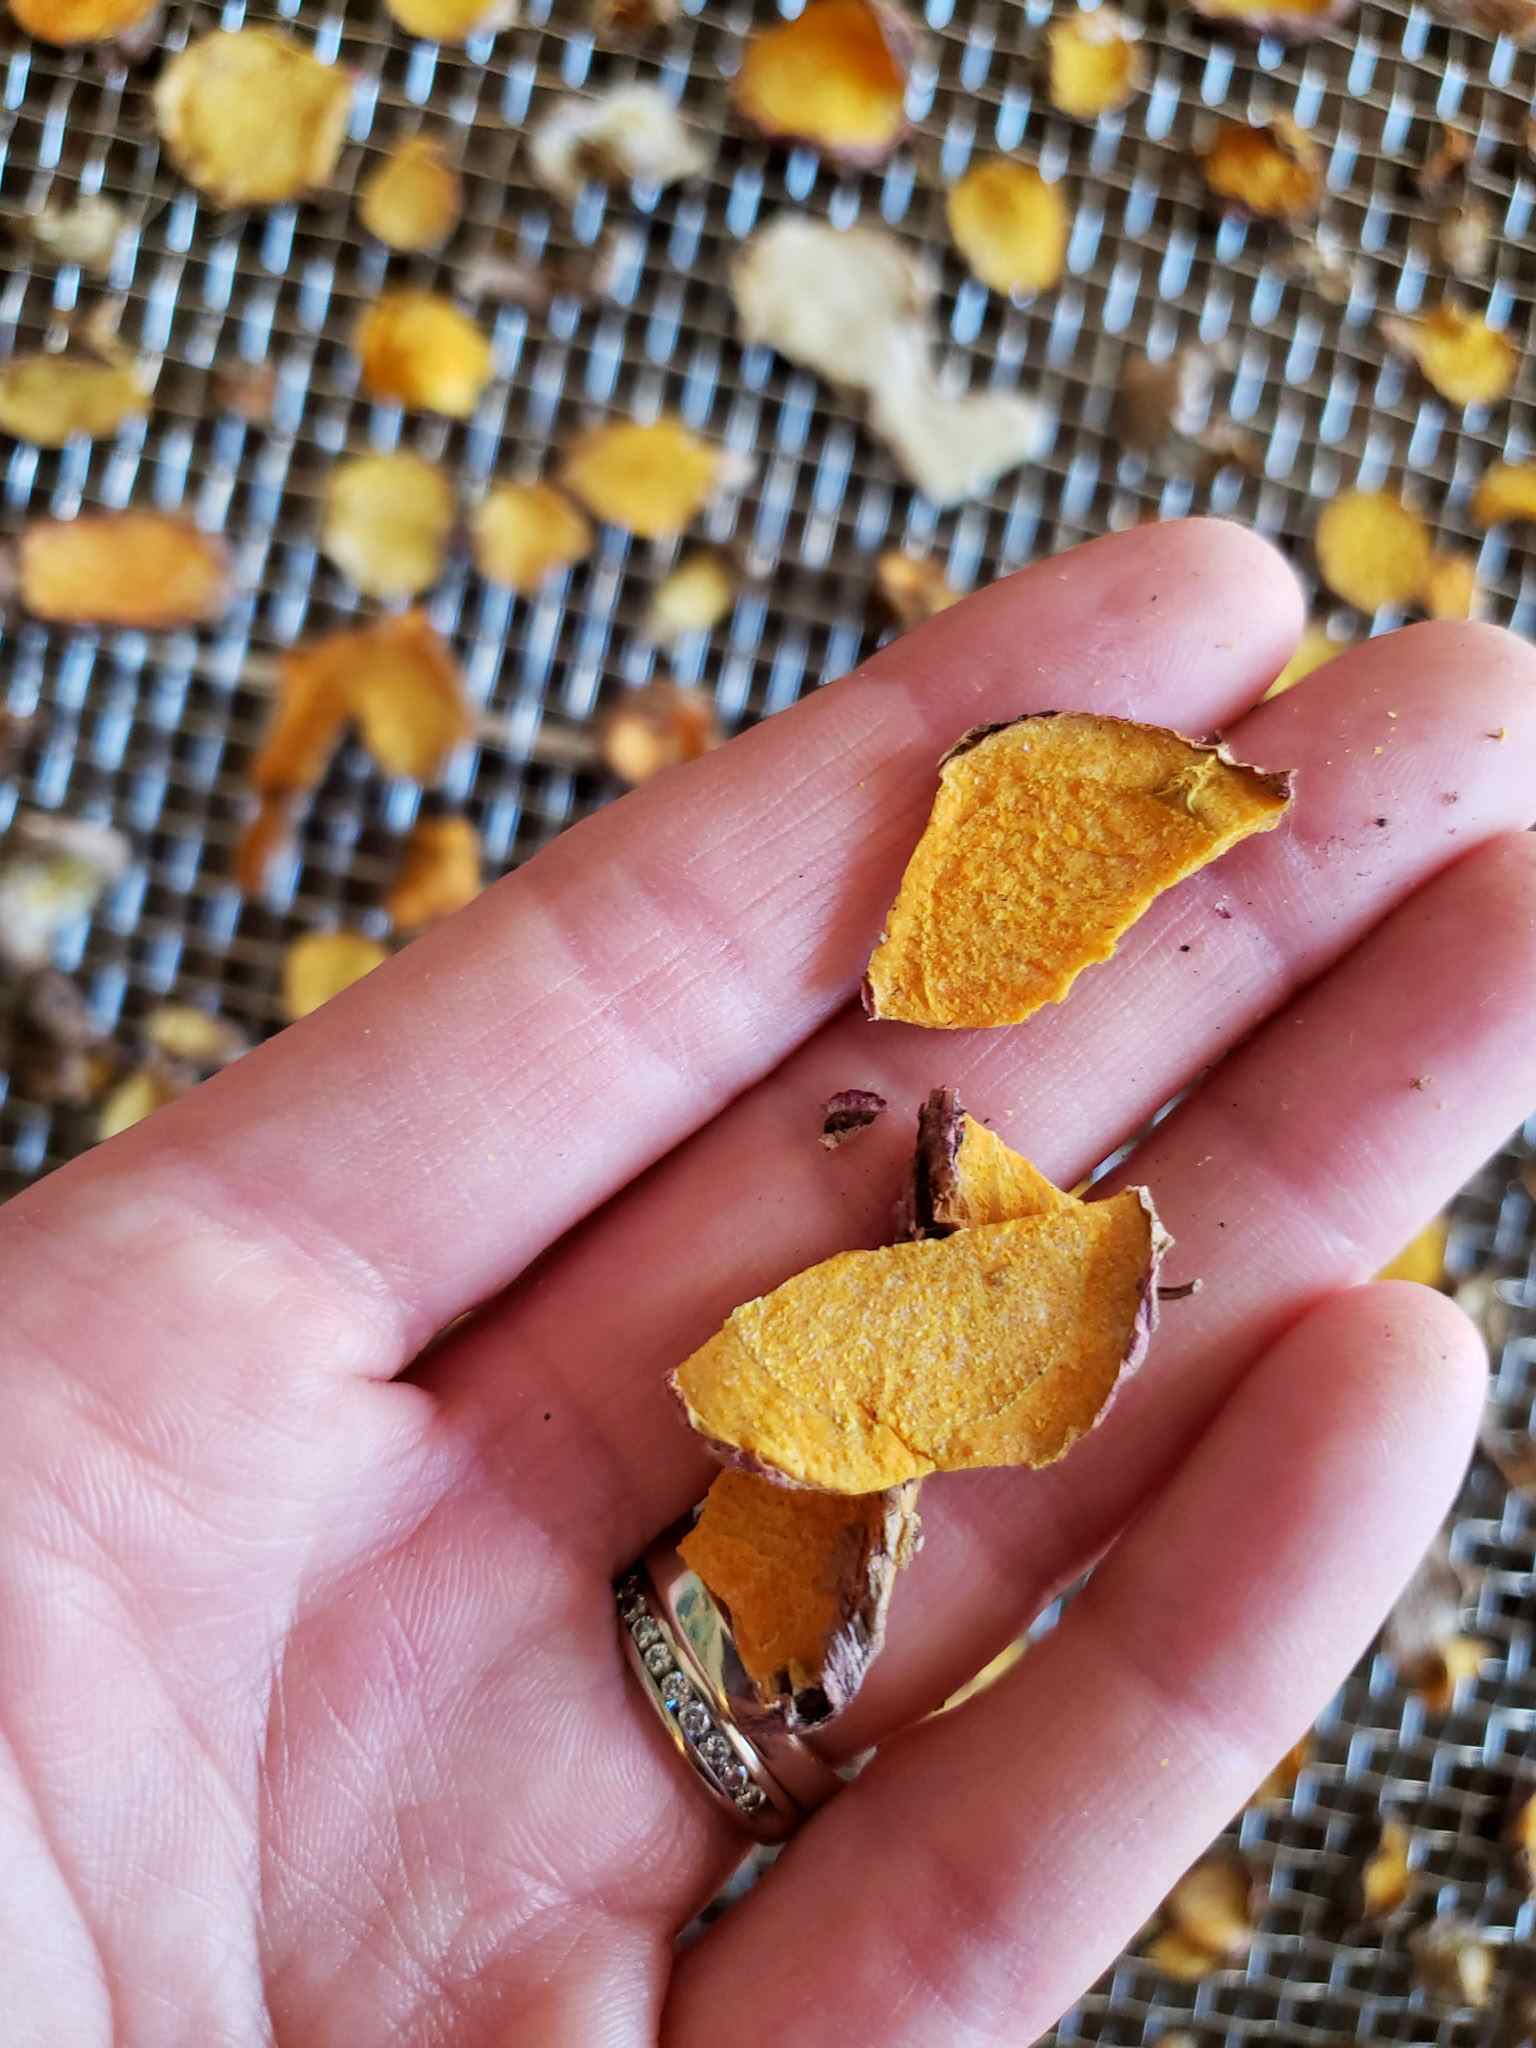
x=315 y=1725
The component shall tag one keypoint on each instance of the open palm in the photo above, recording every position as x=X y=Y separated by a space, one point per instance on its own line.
x=313 y=1724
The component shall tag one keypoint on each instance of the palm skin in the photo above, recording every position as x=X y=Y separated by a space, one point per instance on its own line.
x=314 y=1724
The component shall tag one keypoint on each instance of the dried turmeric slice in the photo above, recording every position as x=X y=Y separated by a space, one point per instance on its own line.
x=144 y=569
x=963 y=1175
x=1096 y=63
x=1507 y=490
x=1010 y=225
x=1049 y=837
x=1274 y=171
x=406 y=691
x=388 y=520
x=413 y=200
x=68 y=22
x=650 y=478
x=439 y=872
x=523 y=533
x=836 y=76
x=49 y=399
x=420 y=350
x=320 y=965
x=806 y=1579
x=849 y=1377
x=1373 y=550
x=1461 y=356
x=1450 y=588
x=251 y=117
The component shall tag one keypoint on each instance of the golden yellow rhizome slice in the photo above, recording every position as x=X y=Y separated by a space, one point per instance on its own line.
x=1049 y=838
x=998 y=1345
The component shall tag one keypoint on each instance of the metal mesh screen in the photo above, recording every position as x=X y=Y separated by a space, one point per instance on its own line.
x=154 y=732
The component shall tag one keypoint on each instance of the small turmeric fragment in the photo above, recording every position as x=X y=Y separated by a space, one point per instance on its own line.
x=1207 y=1921
x=522 y=534
x=835 y=76
x=453 y=21
x=657 y=727
x=1380 y=1875
x=1460 y=355
x=439 y=872
x=1314 y=650
x=806 y=1580
x=388 y=520
x=1097 y=64
x=251 y=116
x=413 y=199
x=1010 y=225
x=72 y=22
x=913 y=587
x=1049 y=838
x=320 y=965
x=1450 y=588
x=1292 y=21
x=1281 y=1781
x=49 y=399
x=1275 y=171
x=848 y=1112
x=1506 y=490
x=418 y=349
x=847 y=1376
x=1422 y=1258
x=650 y=478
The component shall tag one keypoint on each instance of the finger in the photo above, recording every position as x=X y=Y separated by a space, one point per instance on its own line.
x=989 y=1865
x=411 y=1147
x=1302 y=1165
x=753 y=1198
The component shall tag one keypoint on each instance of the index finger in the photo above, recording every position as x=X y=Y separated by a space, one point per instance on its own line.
x=420 y=1140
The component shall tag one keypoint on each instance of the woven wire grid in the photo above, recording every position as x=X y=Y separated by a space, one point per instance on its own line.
x=154 y=733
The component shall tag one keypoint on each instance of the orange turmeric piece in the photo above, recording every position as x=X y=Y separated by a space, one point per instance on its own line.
x=806 y=1579
x=149 y=570
x=835 y=76
x=1049 y=838
x=849 y=1376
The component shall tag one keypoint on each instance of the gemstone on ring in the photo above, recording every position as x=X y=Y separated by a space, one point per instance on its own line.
x=752 y=1800
x=694 y=1720
x=631 y=1599
x=645 y=1632
x=716 y=1751
x=675 y=1690
x=733 y=1778
x=658 y=1659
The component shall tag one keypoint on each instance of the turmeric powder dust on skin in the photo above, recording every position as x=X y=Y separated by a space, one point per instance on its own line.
x=1048 y=839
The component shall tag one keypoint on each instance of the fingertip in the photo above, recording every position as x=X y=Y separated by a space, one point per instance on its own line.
x=1415 y=1356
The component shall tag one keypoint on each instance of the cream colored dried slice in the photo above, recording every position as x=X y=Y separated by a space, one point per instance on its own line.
x=695 y=597
x=388 y=520
x=806 y=1580
x=439 y=872
x=999 y=1345
x=251 y=117
x=143 y=569
x=69 y=22
x=420 y=350
x=453 y=21
x=50 y=399
x=1010 y=225
x=1461 y=356
x=1048 y=839
x=1096 y=64
x=1373 y=550
x=835 y=76
x=522 y=534
x=631 y=132
x=320 y=965
x=413 y=199
x=652 y=478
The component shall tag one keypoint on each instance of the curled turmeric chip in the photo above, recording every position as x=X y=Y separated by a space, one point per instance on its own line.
x=1274 y=171
x=806 y=1579
x=250 y=117
x=1461 y=356
x=388 y=519
x=999 y=1345
x=652 y=479
x=963 y=1175
x=1048 y=839
x=50 y=399
x=1380 y=1875
x=1372 y=550
x=1096 y=63
x=321 y=964
x=1314 y=650
x=420 y=350
x=1010 y=225
x=835 y=76
x=413 y=200
x=1292 y=21
x=1506 y=490
x=453 y=21
x=522 y=534
x=144 y=569
x=68 y=22
x=1207 y=1921
x=439 y=872
x=309 y=719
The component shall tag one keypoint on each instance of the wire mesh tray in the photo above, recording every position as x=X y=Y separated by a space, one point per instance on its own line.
x=154 y=733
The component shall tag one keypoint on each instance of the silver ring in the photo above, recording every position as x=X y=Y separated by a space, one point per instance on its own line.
x=679 y=1646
